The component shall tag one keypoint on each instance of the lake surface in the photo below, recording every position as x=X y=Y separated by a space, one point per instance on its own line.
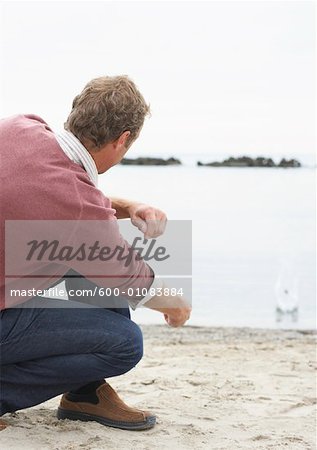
x=253 y=235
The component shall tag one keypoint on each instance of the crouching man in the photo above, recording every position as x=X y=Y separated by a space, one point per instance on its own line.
x=48 y=349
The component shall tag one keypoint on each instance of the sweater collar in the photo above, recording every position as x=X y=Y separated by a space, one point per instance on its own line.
x=75 y=151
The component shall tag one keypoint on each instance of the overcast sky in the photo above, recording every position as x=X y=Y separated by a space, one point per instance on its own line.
x=231 y=77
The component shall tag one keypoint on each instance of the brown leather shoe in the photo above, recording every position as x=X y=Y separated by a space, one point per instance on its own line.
x=110 y=410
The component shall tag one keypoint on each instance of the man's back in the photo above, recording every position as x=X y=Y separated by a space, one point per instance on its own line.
x=43 y=184
x=35 y=172
x=38 y=181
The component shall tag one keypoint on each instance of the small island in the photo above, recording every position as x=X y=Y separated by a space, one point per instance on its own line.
x=146 y=161
x=246 y=161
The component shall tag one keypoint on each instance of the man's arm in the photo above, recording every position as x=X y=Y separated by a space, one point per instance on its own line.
x=152 y=223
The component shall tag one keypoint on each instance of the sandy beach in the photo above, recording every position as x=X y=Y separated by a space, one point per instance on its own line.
x=211 y=388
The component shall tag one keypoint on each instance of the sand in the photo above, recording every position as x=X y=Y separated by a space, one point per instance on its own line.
x=211 y=388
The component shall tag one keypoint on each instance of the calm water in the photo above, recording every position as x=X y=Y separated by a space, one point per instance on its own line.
x=252 y=229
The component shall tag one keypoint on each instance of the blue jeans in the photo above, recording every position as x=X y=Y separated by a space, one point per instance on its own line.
x=47 y=349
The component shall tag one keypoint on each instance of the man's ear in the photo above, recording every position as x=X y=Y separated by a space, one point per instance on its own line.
x=122 y=140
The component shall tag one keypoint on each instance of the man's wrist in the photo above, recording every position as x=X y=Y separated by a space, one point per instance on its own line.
x=156 y=286
x=132 y=207
x=123 y=207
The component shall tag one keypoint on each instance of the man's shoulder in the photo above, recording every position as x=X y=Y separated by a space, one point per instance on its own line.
x=23 y=121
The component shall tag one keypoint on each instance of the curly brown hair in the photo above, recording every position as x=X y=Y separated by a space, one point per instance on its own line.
x=106 y=108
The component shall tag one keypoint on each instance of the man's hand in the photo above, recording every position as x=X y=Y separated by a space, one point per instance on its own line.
x=176 y=314
x=151 y=221
x=176 y=317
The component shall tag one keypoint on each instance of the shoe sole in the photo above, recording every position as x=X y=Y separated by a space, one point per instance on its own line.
x=135 y=426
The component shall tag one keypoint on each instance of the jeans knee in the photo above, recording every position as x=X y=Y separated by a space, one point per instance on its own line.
x=133 y=347
x=138 y=343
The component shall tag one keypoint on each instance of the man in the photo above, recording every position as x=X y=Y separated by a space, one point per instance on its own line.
x=48 y=349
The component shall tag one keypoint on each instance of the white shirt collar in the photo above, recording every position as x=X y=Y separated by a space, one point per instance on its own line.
x=75 y=151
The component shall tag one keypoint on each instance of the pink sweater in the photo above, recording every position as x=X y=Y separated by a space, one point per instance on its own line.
x=39 y=182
